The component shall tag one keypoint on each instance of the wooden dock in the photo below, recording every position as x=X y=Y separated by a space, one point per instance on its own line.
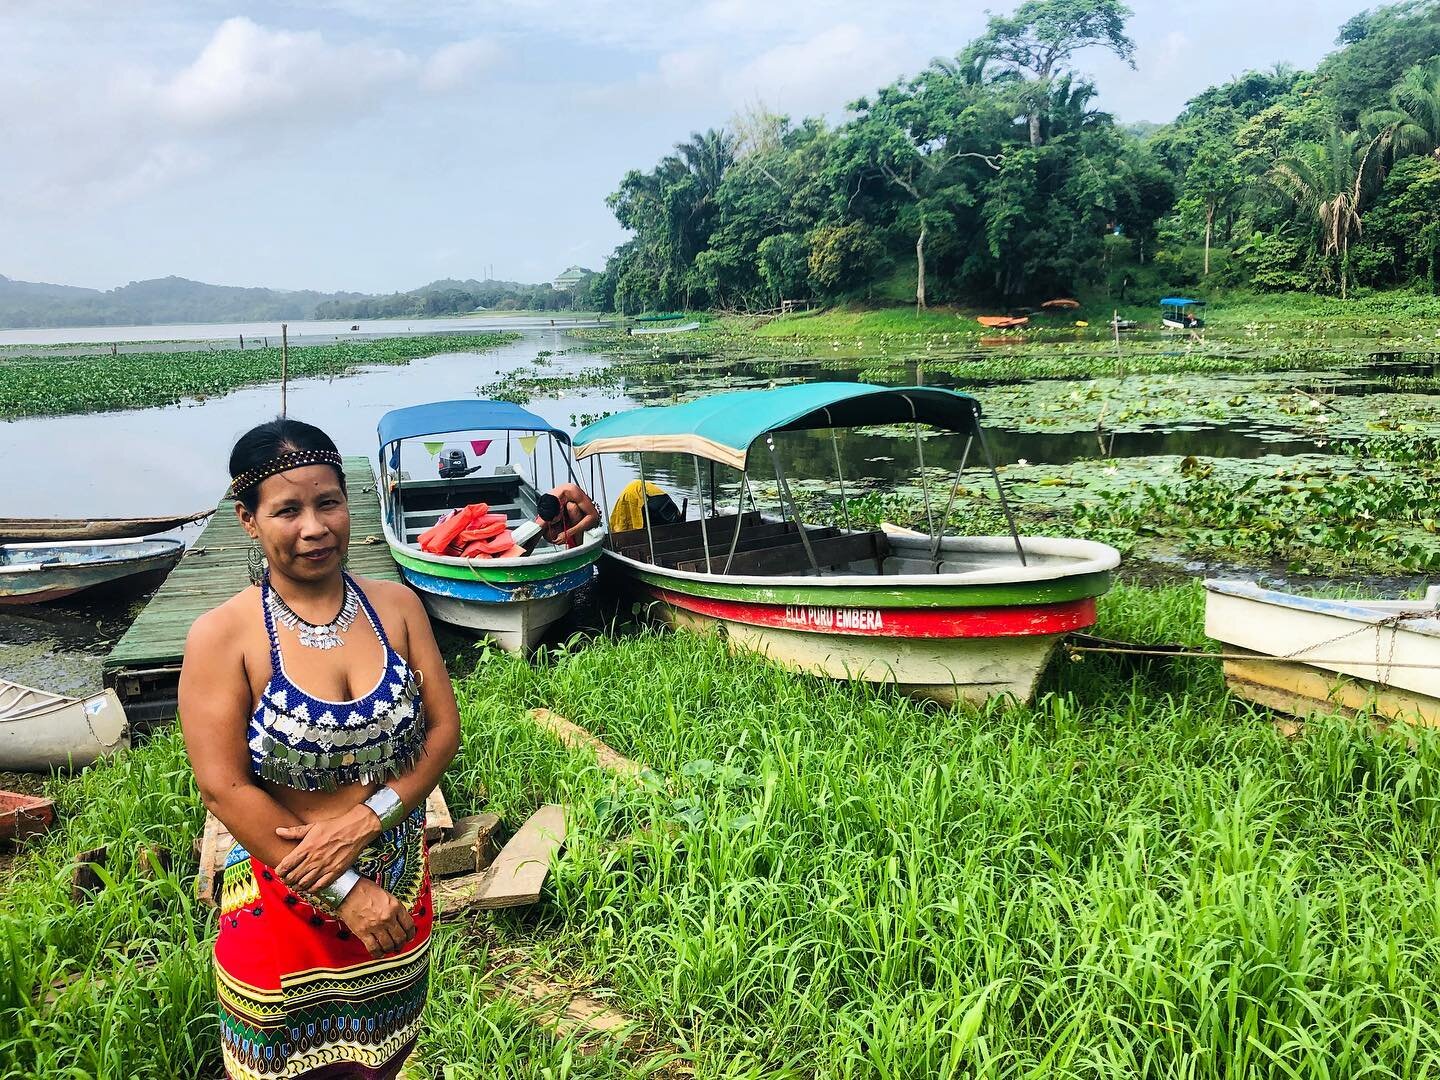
x=144 y=666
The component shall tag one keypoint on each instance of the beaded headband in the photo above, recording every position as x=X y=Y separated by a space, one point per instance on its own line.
x=293 y=460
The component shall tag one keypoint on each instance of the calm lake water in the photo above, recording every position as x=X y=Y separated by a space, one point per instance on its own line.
x=299 y=330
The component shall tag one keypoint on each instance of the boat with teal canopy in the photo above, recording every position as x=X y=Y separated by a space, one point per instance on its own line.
x=487 y=578
x=946 y=617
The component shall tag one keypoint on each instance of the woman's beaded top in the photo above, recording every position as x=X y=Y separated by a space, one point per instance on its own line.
x=305 y=742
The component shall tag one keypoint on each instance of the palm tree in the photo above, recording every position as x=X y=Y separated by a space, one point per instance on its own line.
x=1329 y=180
x=708 y=157
x=1067 y=107
x=1412 y=123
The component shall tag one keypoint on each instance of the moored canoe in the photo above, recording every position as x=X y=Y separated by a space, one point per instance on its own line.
x=41 y=731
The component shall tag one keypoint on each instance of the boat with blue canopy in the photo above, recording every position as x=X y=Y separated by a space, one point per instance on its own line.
x=1180 y=313
x=939 y=616
x=495 y=587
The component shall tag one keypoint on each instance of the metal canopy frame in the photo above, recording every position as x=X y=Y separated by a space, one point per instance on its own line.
x=787 y=498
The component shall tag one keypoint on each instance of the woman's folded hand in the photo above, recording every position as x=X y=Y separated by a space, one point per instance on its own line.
x=327 y=848
x=379 y=920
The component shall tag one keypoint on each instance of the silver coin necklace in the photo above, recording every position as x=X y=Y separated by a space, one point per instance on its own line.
x=315 y=635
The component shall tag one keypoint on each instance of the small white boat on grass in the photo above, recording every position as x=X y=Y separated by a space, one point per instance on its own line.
x=36 y=573
x=40 y=731
x=1303 y=655
x=683 y=328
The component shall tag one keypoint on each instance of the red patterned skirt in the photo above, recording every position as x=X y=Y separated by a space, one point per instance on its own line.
x=299 y=994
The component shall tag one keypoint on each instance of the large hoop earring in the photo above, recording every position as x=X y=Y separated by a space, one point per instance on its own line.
x=255 y=563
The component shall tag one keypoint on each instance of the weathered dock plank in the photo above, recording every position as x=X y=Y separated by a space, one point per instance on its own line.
x=144 y=666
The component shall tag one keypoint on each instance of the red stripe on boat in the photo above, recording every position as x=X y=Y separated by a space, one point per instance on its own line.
x=976 y=622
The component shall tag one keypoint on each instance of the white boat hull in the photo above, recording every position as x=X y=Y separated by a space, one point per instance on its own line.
x=515 y=627
x=41 y=731
x=942 y=670
x=1303 y=655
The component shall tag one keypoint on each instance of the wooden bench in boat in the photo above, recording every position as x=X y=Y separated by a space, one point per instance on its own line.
x=720 y=534
x=719 y=551
x=685 y=530
x=790 y=557
x=673 y=551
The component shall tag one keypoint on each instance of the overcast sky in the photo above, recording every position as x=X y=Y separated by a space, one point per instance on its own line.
x=377 y=145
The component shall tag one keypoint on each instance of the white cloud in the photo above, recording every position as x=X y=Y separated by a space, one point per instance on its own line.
x=248 y=73
x=97 y=134
x=820 y=73
x=456 y=65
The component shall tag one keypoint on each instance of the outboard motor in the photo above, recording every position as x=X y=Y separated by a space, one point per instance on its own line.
x=454 y=463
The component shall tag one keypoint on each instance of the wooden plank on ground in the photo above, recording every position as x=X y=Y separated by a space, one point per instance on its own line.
x=577 y=738
x=518 y=873
x=565 y=1012
x=215 y=845
x=438 y=821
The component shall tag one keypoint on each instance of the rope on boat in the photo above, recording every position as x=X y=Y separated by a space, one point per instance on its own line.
x=1390 y=622
x=1197 y=654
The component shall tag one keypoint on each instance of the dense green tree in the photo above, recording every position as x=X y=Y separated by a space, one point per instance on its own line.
x=921 y=136
x=1041 y=37
x=996 y=178
x=1377 y=47
x=843 y=257
x=1402 y=229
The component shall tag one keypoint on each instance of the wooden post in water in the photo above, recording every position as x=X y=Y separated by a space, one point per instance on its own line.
x=284 y=362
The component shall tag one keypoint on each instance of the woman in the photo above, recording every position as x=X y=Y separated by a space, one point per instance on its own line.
x=318 y=759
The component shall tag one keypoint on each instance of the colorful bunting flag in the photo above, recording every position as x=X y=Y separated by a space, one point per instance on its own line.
x=480 y=445
x=434 y=447
x=527 y=442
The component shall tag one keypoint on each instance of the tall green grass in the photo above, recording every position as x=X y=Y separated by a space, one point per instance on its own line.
x=1135 y=876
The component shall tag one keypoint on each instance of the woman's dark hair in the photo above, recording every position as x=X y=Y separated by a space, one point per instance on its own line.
x=265 y=442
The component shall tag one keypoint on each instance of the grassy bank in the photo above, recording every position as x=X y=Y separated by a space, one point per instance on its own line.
x=1136 y=876
x=40 y=386
x=1390 y=314
x=1244 y=334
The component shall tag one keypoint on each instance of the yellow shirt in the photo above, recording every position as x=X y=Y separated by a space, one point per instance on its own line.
x=628 y=513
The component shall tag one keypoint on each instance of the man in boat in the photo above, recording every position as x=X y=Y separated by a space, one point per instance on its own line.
x=564 y=513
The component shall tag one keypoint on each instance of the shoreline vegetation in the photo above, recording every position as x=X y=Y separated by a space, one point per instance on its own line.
x=1135 y=876
x=54 y=385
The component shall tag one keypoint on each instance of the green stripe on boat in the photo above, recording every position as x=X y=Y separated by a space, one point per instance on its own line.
x=1000 y=594
x=478 y=570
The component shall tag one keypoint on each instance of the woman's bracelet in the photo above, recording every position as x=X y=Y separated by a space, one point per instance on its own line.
x=335 y=893
x=387 y=806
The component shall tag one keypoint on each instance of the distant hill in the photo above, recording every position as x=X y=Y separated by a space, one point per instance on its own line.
x=11 y=289
x=180 y=300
